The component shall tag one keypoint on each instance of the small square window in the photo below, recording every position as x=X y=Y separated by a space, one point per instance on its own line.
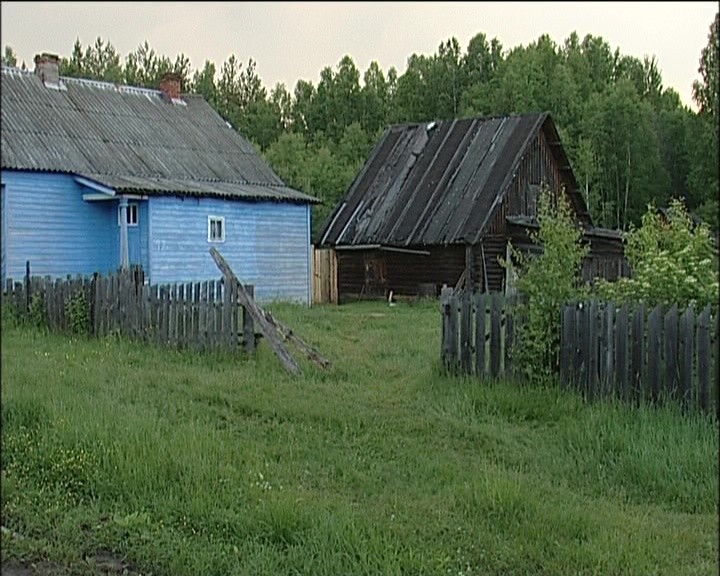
x=216 y=229
x=132 y=215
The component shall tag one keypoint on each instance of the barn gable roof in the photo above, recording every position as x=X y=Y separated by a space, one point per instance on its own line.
x=131 y=139
x=439 y=183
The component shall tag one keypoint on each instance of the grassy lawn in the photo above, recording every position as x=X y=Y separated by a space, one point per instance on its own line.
x=182 y=464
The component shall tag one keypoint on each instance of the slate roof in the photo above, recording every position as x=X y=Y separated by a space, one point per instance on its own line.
x=131 y=139
x=438 y=183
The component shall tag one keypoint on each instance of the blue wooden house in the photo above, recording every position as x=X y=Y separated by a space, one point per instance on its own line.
x=98 y=176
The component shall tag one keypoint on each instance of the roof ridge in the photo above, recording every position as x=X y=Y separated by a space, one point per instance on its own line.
x=473 y=118
x=103 y=84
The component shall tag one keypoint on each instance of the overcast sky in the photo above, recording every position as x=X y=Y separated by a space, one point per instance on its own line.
x=290 y=41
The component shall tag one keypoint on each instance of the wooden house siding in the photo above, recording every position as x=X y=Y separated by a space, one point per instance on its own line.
x=266 y=244
x=74 y=150
x=47 y=223
x=376 y=272
x=138 y=237
x=373 y=273
x=535 y=169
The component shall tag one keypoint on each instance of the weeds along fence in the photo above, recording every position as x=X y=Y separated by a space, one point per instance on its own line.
x=640 y=354
x=631 y=353
x=200 y=315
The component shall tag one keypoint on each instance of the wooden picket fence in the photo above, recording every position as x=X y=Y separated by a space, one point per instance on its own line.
x=477 y=333
x=201 y=315
x=633 y=354
x=642 y=355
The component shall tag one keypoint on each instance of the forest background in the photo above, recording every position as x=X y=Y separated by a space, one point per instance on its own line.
x=631 y=141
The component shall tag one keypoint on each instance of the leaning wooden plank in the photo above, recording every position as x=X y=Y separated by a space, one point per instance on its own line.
x=248 y=325
x=268 y=331
x=287 y=334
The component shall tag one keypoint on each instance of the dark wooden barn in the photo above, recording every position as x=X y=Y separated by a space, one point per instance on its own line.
x=430 y=190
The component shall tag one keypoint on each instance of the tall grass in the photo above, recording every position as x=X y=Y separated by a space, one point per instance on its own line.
x=188 y=464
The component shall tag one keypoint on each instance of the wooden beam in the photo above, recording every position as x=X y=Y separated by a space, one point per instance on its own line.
x=267 y=329
x=288 y=334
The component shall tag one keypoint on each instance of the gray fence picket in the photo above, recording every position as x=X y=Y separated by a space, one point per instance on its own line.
x=567 y=345
x=637 y=355
x=654 y=353
x=687 y=341
x=495 y=334
x=621 y=353
x=248 y=324
x=670 y=332
x=480 y=335
x=509 y=338
x=704 y=358
x=593 y=350
x=609 y=359
x=466 y=348
x=449 y=352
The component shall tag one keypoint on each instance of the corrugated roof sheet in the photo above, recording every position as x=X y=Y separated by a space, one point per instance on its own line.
x=131 y=139
x=433 y=183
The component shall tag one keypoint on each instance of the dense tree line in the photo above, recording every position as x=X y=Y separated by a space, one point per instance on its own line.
x=630 y=140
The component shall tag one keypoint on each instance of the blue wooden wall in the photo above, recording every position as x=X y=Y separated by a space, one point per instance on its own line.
x=267 y=244
x=138 y=252
x=48 y=223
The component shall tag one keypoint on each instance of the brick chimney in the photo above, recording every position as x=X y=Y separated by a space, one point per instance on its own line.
x=47 y=68
x=170 y=86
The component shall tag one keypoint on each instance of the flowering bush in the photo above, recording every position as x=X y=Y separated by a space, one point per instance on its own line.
x=672 y=260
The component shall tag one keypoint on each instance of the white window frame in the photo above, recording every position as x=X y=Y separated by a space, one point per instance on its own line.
x=132 y=210
x=213 y=220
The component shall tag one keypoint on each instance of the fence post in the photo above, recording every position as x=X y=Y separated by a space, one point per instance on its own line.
x=567 y=344
x=621 y=366
x=637 y=342
x=28 y=289
x=509 y=335
x=228 y=336
x=583 y=348
x=480 y=337
x=196 y=316
x=248 y=324
x=466 y=332
x=448 y=307
x=703 y=359
x=593 y=351
x=671 y=351
x=495 y=334
x=466 y=314
x=577 y=367
x=610 y=350
x=654 y=352
x=687 y=325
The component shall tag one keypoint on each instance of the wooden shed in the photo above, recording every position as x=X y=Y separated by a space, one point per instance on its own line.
x=430 y=190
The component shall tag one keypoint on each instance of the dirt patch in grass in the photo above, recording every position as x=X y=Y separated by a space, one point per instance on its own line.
x=101 y=564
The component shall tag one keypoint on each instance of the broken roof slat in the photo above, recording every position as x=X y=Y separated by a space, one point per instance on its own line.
x=440 y=190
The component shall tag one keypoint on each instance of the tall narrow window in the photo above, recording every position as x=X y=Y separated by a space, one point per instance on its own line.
x=132 y=215
x=216 y=229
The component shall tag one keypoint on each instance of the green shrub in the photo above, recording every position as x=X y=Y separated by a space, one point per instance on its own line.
x=37 y=313
x=545 y=282
x=672 y=260
x=78 y=312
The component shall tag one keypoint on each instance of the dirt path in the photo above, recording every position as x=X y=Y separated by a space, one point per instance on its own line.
x=99 y=565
